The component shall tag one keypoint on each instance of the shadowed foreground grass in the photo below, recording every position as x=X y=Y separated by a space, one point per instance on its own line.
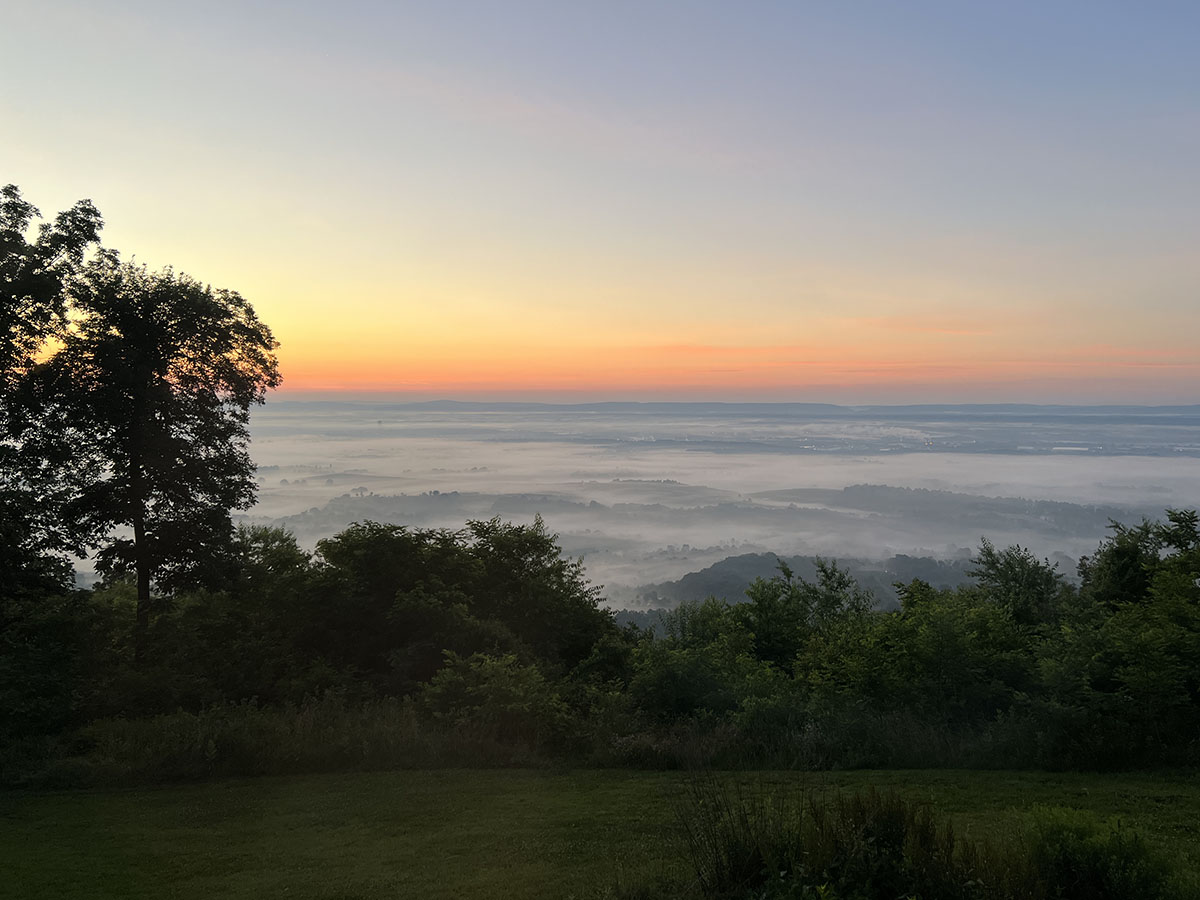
x=463 y=834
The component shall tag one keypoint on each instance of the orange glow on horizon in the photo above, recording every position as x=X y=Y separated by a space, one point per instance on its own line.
x=697 y=370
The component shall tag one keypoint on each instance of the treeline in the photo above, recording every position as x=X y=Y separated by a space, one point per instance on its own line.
x=1019 y=668
x=394 y=646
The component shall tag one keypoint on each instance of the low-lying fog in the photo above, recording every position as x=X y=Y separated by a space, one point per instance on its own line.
x=646 y=493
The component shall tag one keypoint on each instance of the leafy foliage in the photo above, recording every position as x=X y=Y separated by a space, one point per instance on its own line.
x=1082 y=860
x=124 y=405
x=154 y=381
x=35 y=277
x=772 y=845
x=498 y=696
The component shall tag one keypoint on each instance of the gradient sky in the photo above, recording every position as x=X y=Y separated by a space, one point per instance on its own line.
x=855 y=202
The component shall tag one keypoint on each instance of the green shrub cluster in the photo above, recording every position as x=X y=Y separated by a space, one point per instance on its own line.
x=1021 y=668
x=879 y=846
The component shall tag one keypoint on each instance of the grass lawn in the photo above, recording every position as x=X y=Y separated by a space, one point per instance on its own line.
x=465 y=834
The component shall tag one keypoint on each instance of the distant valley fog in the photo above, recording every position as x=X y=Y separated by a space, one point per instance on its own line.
x=647 y=493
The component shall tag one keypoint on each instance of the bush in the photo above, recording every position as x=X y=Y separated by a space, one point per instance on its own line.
x=498 y=697
x=859 y=846
x=879 y=846
x=1085 y=861
x=684 y=744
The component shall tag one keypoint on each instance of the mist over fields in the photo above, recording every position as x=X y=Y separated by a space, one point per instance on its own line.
x=647 y=493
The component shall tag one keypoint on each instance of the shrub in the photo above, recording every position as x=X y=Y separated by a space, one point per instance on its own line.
x=498 y=697
x=1085 y=861
x=755 y=844
x=747 y=843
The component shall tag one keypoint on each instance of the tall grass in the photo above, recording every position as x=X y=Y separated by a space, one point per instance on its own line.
x=320 y=735
x=754 y=843
x=331 y=733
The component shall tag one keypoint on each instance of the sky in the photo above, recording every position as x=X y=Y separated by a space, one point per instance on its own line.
x=845 y=202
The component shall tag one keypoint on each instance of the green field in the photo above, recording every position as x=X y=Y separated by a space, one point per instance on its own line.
x=456 y=834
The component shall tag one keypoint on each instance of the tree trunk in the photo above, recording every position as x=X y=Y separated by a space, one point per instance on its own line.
x=141 y=561
x=142 y=567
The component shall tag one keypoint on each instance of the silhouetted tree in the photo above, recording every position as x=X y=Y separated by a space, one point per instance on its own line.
x=33 y=273
x=153 y=383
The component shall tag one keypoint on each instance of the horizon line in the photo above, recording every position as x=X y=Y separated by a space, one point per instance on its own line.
x=401 y=398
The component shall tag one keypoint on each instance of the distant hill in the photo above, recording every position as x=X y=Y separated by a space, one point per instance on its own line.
x=973 y=513
x=729 y=578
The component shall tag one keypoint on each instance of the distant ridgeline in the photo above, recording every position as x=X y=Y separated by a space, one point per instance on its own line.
x=729 y=579
x=974 y=510
x=972 y=515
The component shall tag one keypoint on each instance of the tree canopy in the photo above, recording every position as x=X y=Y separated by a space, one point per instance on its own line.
x=35 y=274
x=153 y=383
x=130 y=392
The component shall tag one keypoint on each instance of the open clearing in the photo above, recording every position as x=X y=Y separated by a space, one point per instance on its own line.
x=469 y=834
